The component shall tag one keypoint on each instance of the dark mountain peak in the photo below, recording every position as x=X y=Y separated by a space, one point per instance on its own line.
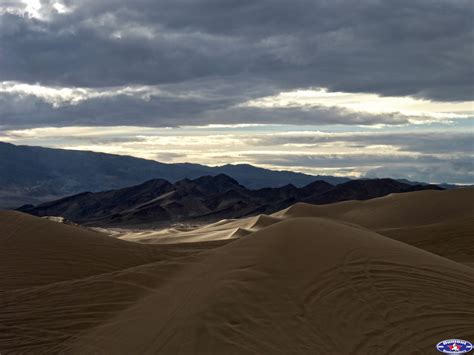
x=386 y=184
x=221 y=179
x=365 y=189
x=187 y=187
x=149 y=189
x=225 y=179
x=289 y=187
x=154 y=183
x=373 y=183
x=184 y=182
x=315 y=188
x=216 y=184
x=318 y=184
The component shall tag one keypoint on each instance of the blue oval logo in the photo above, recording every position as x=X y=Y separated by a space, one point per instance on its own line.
x=454 y=346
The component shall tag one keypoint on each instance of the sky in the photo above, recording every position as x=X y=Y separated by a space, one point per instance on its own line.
x=366 y=88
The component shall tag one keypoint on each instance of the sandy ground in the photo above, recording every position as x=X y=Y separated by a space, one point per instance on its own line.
x=390 y=275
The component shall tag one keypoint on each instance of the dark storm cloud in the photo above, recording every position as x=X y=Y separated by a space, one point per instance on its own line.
x=405 y=47
x=26 y=111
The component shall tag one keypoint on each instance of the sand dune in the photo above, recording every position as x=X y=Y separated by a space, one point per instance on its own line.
x=308 y=280
x=452 y=239
x=395 y=210
x=300 y=287
x=36 y=251
x=222 y=230
x=437 y=221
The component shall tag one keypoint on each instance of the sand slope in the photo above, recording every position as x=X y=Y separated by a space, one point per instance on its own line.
x=222 y=230
x=35 y=251
x=453 y=239
x=441 y=222
x=395 y=210
x=283 y=284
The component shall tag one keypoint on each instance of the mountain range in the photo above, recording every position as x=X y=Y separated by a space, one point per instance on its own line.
x=159 y=202
x=36 y=174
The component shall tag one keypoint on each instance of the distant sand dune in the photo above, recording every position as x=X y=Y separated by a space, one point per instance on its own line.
x=441 y=222
x=395 y=210
x=453 y=239
x=308 y=280
x=263 y=221
x=222 y=230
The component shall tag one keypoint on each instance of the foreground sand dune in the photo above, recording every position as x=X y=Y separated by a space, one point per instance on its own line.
x=285 y=285
x=36 y=251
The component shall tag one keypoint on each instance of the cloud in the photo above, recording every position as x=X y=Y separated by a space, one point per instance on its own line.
x=460 y=171
x=426 y=168
x=419 y=110
x=169 y=156
x=163 y=109
x=341 y=160
x=408 y=47
x=433 y=142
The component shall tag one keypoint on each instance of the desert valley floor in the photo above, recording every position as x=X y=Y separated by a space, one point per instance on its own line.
x=391 y=275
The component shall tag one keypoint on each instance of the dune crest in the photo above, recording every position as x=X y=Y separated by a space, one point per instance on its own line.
x=437 y=221
x=395 y=210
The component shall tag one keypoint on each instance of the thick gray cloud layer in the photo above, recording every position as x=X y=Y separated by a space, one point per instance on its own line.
x=214 y=103
x=405 y=47
x=228 y=52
